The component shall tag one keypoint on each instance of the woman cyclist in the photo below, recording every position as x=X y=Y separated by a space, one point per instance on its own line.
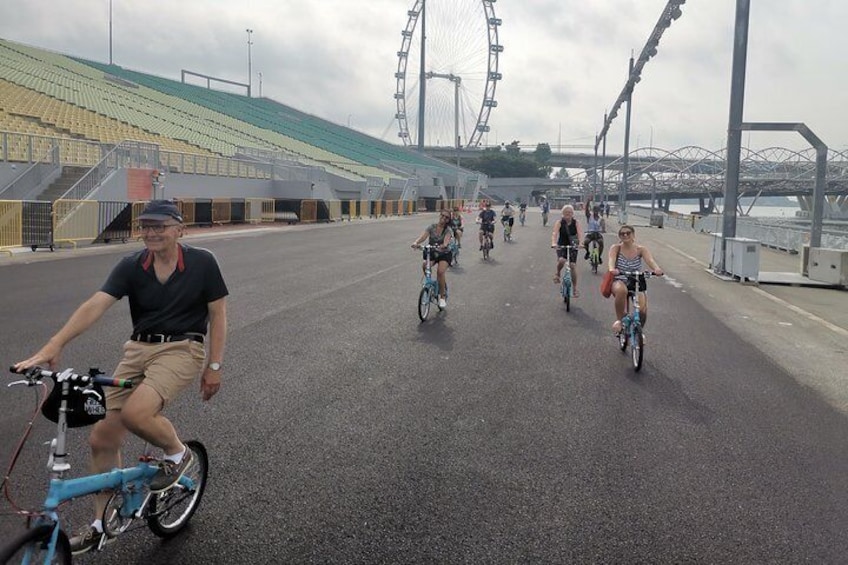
x=594 y=228
x=438 y=234
x=628 y=256
x=567 y=232
x=456 y=224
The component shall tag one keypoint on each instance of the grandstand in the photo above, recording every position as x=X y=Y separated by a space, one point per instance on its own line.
x=51 y=103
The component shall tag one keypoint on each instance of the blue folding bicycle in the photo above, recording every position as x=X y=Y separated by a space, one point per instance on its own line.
x=166 y=513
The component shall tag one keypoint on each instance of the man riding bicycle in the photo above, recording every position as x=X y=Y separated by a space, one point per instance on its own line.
x=175 y=292
x=508 y=215
x=486 y=219
x=594 y=232
x=546 y=208
x=522 y=212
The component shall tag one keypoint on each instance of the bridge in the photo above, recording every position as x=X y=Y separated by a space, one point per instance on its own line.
x=686 y=172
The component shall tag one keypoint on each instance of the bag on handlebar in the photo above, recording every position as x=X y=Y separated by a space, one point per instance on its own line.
x=83 y=409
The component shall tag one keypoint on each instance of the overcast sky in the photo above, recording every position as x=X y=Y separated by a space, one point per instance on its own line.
x=564 y=61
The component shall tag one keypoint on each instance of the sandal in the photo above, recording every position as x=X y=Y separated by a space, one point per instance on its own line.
x=576 y=293
x=556 y=279
x=616 y=327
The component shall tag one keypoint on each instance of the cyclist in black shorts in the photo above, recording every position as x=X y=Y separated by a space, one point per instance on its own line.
x=439 y=235
x=567 y=232
x=456 y=224
x=486 y=218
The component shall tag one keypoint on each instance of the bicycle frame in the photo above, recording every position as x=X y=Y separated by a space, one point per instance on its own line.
x=131 y=481
x=567 y=286
x=631 y=330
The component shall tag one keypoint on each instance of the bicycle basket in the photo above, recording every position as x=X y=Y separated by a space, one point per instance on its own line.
x=83 y=409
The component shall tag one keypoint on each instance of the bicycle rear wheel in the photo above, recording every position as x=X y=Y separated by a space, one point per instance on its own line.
x=424 y=303
x=170 y=510
x=636 y=348
x=32 y=546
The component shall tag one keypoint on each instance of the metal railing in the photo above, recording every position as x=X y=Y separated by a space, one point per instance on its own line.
x=29 y=183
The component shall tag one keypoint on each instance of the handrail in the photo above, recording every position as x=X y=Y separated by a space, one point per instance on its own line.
x=92 y=179
x=30 y=180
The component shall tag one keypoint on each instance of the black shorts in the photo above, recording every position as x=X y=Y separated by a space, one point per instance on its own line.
x=633 y=283
x=437 y=256
x=487 y=228
x=573 y=254
x=509 y=219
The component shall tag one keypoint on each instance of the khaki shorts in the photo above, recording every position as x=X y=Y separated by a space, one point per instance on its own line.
x=167 y=368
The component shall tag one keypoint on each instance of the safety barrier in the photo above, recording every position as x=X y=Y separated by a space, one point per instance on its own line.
x=222 y=212
x=335 y=209
x=75 y=221
x=309 y=211
x=11 y=224
x=42 y=224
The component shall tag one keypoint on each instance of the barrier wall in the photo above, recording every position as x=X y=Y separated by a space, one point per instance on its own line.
x=75 y=220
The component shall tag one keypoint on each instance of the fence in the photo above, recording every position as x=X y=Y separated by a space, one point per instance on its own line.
x=42 y=224
x=787 y=237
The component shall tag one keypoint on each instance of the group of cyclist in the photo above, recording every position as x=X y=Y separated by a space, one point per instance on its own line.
x=567 y=236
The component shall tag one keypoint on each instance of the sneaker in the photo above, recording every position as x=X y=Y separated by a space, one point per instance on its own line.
x=169 y=472
x=442 y=303
x=481 y=248
x=587 y=256
x=86 y=540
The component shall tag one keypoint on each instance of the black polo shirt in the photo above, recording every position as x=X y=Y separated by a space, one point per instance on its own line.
x=181 y=304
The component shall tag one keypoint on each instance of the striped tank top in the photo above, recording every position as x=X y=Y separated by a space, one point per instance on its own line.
x=622 y=263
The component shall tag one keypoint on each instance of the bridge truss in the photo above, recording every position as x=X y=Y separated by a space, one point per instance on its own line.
x=691 y=172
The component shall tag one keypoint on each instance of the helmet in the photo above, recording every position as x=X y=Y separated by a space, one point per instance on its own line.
x=506 y=203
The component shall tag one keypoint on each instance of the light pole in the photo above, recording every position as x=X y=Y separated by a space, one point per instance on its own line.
x=110 y=32
x=260 y=83
x=457 y=81
x=249 y=61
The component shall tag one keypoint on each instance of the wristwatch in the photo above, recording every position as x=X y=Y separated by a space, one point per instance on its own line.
x=215 y=366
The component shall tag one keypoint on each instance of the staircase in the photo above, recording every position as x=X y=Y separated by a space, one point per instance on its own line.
x=70 y=176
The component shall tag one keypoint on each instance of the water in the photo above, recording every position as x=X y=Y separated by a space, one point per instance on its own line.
x=756 y=211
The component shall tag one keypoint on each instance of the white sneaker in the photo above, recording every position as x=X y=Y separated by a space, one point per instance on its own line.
x=442 y=303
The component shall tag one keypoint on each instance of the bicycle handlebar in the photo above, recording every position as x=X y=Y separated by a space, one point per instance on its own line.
x=646 y=274
x=35 y=374
x=565 y=247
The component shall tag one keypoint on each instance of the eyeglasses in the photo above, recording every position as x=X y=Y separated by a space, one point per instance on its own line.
x=624 y=233
x=155 y=228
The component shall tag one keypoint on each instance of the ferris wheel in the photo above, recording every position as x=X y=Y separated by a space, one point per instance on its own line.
x=460 y=70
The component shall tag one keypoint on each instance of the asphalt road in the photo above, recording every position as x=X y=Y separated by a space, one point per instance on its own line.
x=503 y=430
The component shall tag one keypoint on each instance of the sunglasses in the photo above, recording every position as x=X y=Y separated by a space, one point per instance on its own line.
x=624 y=233
x=155 y=228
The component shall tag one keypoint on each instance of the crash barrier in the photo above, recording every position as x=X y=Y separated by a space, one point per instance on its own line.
x=43 y=224
x=75 y=221
x=11 y=212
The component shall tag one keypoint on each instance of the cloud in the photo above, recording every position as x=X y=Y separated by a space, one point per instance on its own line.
x=564 y=61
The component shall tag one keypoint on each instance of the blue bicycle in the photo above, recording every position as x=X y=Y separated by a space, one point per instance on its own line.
x=430 y=287
x=166 y=513
x=566 y=287
x=631 y=323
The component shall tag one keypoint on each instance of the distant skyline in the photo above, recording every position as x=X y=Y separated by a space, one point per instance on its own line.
x=564 y=61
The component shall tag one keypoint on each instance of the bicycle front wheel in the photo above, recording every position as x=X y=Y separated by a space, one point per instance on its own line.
x=637 y=348
x=170 y=510
x=33 y=546
x=566 y=293
x=424 y=304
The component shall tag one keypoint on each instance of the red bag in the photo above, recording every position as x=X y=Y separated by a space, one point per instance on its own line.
x=606 y=284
